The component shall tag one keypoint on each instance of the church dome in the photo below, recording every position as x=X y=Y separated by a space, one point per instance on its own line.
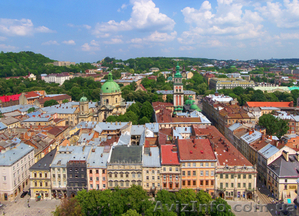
x=110 y=86
x=83 y=99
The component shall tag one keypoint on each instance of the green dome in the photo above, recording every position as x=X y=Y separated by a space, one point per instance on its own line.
x=83 y=99
x=194 y=106
x=169 y=78
x=110 y=86
x=189 y=102
x=178 y=74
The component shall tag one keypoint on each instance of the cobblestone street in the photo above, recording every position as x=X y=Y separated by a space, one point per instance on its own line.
x=20 y=208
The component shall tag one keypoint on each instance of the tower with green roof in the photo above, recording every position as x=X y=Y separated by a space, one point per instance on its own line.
x=178 y=91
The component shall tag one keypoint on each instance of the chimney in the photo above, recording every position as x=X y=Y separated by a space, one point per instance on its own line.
x=285 y=154
x=174 y=149
x=191 y=152
x=250 y=132
x=201 y=151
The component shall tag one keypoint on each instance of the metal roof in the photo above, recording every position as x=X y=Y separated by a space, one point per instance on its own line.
x=153 y=127
x=252 y=137
x=152 y=157
x=126 y=154
x=268 y=151
x=44 y=163
x=137 y=130
x=234 y=126
x=11 y=156
x=2 y=126
x=97 y=158
x=22 y=108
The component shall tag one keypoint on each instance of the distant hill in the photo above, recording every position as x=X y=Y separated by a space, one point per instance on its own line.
x=19 y=64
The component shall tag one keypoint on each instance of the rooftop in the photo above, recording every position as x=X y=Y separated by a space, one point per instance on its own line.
x=151 y=157
x=269 y=104
x=169 y=155
x=126 y=154
x=11 y=156
x=98 y=157
x=44 y=163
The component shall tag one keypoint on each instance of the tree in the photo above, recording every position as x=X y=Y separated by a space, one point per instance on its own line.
x=274 y=125
x=131 y=212
x=143 y=120
x=50 y=103
x=68 y=207
x=65 y=101
x=223 y=209
x=135 y=109
x=147 y=110
x=32 y=109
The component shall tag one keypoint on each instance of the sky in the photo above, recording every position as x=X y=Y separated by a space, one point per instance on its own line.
x=90 y=30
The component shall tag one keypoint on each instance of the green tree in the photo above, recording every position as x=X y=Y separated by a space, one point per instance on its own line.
x=135 y=109
x=147 y=110
x=68 y=207
x=50 y=103
x=274 y=125
x=143 y=120
x=131 y=212
x=32 y=109
x=65 y=101
x=224 y=208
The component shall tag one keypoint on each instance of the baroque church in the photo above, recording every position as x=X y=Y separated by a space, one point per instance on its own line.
x=111 y=103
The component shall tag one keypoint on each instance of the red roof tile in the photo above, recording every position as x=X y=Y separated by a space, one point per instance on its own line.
x=31 y=94
x=227 y=154
x=269 y=104
x=195 y=149
x=168 y=156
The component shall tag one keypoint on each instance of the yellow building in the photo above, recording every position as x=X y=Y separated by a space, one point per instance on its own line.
x=40 y=177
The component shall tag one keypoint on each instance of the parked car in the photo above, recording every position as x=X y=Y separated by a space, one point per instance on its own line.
x=24 y=194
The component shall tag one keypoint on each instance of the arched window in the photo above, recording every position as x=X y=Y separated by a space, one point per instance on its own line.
x=107 y=101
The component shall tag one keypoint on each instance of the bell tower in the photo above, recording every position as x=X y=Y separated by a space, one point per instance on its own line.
x=178 y=91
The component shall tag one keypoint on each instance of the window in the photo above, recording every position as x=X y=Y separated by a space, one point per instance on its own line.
x=221 y=185
x=183 y=164
x=46 y=184
x=91 y=186
x=127 y=175
x=221 y=176
x=90 y=179
x=201 y=164
x=147 y=171
x=46 y=175
x=97 y=178
x=110 y=175
x=184 y=173
x=189 y=183
x=104 y=178
x=244 y=176
x=232 y=176
x=115 y=175
x=212 y=182
x=244 y=185
x=121 y=175
x=170 y=169
x=189 y=164
x=207 y=173
x=189 y=173
x=158 y=177
x=176 y=169
x=207 y=164
x=194 y=173
x=226 y=176
x=194 y=164
x=207 y=182
x=194 y=183
x=164 y=177
x=97 y=171
x=201 y=173
x=249 y=176
x=285 y=180
x=212 y=173
x=164 y=169
x=249 y=185
x=90 y=171
x=34 y=175
x=286 y=187
x=153 y=177
x=35 y=184
x=239 y=185
x=239 y=176
x=53 y=175
x=226 y=185
x=133 y=175
x=153 y=171
x=184 y=182
x=232 y=185
x=103 y=171
x=41 y=184
x=98 y=186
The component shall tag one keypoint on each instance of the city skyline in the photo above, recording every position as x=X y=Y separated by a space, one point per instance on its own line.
x=89 y=31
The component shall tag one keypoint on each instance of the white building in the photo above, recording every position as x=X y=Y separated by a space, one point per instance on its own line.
x=57 y=78
x=15 y=162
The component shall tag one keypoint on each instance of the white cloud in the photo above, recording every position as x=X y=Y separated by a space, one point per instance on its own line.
x=7 y=47
x=287 y=36
x=145 y=15
x=22 y=27
x=92 y=47
x=51 y=42
x=2 y=38
x=124 y=6
x=182 y=48
x=230 y=21
x=284 y=16
x=114 y=41
x=79 y=26
x=69 y=42
x=155 y=37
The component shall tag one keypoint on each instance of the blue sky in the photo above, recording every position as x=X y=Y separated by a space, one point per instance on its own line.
x=87 y=31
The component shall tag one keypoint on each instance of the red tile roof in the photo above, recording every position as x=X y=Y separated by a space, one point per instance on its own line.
x=161 y=105
x=57 y=98
x=144 y=89
x=227 y=154
x=269 y=104
x=7 y=98
x=195 y=149
x=31 y=94
x=168 y=156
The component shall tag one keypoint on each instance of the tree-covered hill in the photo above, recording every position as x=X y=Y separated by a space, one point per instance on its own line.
x=145 y=63
x=19 y=64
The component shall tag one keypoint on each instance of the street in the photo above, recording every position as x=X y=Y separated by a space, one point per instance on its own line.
x=20 y=208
